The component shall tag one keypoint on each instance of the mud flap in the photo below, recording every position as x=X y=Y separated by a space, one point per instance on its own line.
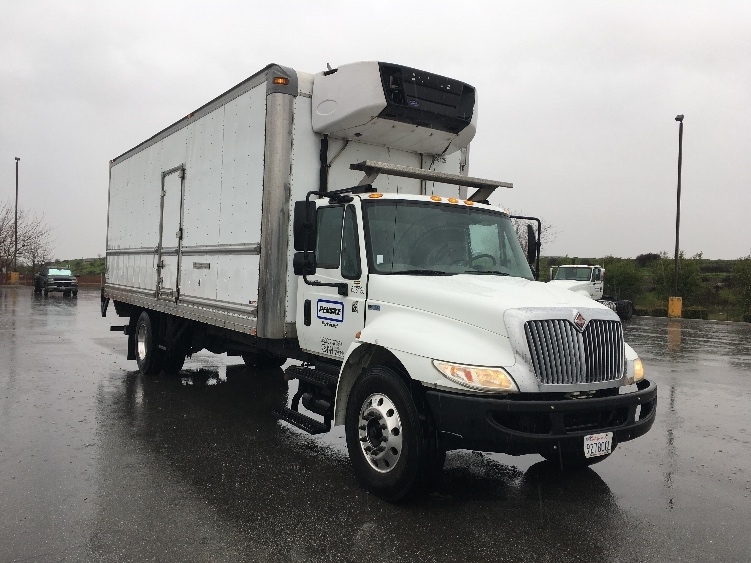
x=104 y=302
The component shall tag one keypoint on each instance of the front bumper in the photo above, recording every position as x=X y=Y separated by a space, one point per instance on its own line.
x=522 y=425
x=61 y=287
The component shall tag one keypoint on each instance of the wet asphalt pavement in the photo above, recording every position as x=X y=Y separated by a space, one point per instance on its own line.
x=98 y=463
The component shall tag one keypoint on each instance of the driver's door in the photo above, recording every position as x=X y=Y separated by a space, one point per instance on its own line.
x=326 y=320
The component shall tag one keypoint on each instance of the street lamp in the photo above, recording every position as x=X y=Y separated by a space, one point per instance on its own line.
x=15 y=229
x=675 y=303
x=679 y=119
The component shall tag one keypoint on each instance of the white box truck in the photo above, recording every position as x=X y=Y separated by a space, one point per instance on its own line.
x=330 y=219
x=589 y=280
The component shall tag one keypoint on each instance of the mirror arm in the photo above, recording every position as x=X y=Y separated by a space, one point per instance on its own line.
x=342 y=288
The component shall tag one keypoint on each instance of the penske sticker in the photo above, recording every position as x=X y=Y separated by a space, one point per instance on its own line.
x=332 y=311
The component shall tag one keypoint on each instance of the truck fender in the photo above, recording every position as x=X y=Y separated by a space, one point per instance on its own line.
x=363 y=355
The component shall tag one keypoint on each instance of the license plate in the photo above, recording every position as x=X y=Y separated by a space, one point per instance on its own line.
x=598 y=444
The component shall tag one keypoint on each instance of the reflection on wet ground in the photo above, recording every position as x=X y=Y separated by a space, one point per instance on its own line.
x=100 y=463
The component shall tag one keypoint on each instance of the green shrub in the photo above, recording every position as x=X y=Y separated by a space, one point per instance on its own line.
x=642 y=312
x=695 y=313
x=660 y=312
x=747 y=318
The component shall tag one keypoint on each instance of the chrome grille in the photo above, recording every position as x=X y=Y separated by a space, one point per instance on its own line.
x=563 y=355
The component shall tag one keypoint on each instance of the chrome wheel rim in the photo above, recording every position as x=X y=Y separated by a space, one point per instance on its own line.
x=380 y=432
x=141 y=342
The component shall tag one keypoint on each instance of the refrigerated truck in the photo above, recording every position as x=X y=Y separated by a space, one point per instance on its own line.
x=329 y=218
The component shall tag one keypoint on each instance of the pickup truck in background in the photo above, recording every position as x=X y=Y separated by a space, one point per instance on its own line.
x=52 y=278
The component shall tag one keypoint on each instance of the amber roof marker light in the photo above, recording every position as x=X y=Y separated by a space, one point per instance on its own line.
x=281 y=80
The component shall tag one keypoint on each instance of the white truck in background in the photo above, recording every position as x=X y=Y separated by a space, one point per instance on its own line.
x=589 y=280
x=326 y=218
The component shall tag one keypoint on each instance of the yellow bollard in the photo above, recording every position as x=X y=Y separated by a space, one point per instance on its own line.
x=675 y=307
x=14 y=277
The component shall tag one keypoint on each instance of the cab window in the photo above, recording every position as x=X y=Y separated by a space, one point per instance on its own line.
x=350 y=246
x=329 y=240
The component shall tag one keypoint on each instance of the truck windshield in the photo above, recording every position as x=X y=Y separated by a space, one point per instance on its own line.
x=58 y=272
x=572 y=273
x=422 y=238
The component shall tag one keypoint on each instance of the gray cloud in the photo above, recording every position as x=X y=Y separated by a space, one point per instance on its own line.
x=577 y=101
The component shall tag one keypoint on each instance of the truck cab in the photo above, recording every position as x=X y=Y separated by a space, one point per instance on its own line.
x=586 y=280
x=430 y=312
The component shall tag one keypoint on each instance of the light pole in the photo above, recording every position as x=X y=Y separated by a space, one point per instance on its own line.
x=679 y=119
x=15 y=228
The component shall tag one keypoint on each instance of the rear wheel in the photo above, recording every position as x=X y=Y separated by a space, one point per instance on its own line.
x=148 y=354
x=390 y=437
x=173 y=362
x=256 y=359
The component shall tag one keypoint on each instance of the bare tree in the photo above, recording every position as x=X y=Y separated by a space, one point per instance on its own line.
x=547 y=231
x=35 y=240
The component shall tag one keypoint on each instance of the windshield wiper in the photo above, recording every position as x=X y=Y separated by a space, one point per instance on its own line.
x=487 y=272
x=425 y=273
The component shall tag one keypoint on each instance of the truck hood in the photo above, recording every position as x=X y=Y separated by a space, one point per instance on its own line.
x=572 y=285
x=478 y=300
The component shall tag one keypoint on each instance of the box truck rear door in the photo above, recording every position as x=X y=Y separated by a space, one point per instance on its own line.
x=170 y=234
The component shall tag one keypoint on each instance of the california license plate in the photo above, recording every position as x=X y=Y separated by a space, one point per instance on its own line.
x=598 y=444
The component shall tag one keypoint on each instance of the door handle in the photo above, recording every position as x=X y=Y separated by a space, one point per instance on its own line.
x=306 y=312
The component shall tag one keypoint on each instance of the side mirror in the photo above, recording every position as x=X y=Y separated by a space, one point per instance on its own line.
x=531 y=244
x=304 y=225
x=304 y=265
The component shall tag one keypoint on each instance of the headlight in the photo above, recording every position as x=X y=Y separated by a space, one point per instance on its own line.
x=638 y=370
x=638 y=374
x=481 y=378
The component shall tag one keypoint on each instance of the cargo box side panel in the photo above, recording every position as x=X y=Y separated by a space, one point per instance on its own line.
x=134 y=213
x=241 y=197
x=222 y=208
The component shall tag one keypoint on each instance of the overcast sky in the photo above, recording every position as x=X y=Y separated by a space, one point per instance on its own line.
x=577 y=101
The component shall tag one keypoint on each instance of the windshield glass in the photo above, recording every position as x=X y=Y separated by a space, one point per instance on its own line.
x=422 y=238
x=58 y=272
x=572 y=273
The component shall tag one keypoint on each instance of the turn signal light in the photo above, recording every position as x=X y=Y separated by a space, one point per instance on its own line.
x=375 y=196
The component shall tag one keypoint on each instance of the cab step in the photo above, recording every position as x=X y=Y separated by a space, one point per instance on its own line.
x=321 y=376
x=301 y=421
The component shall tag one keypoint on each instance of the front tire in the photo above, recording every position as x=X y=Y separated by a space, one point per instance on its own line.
x=148 y=354
x=390 y=437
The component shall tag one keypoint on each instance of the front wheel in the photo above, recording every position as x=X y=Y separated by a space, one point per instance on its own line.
x=390 y=437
